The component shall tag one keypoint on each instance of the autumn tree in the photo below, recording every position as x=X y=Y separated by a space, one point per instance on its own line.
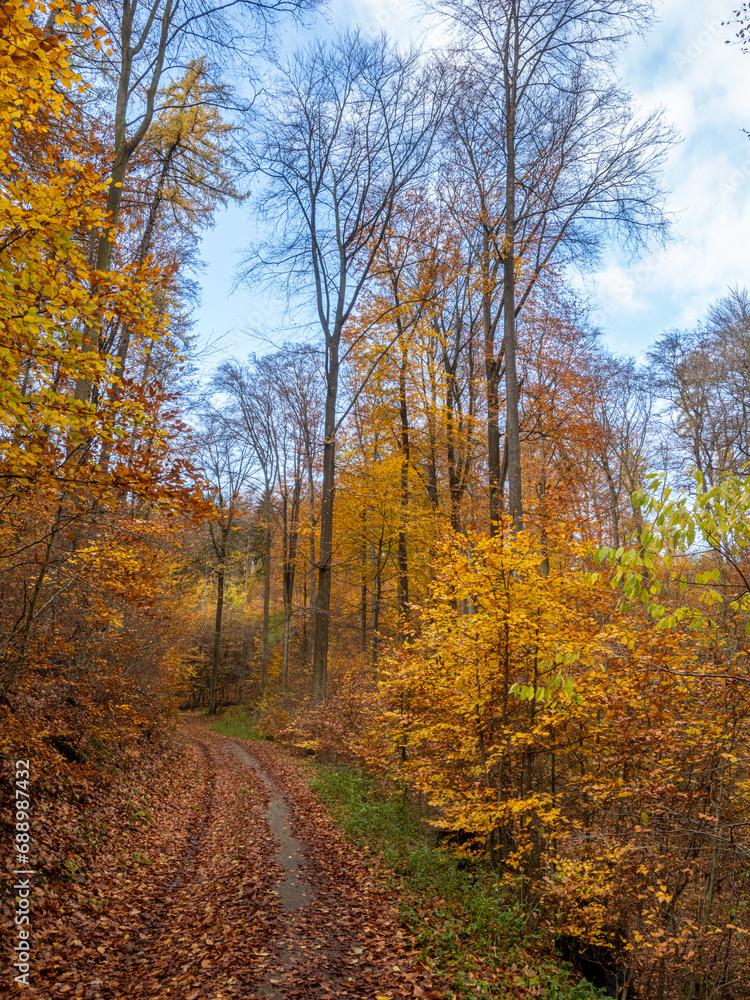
x=50 y=208
x=347 y=129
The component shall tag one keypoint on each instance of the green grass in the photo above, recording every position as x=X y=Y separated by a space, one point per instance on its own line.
x=454 y=908
x=239 y=723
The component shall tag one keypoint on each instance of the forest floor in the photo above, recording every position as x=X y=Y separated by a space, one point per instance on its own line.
x=235 y=884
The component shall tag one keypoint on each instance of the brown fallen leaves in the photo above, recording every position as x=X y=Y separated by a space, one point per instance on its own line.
x=185 y=905
x=348 y=943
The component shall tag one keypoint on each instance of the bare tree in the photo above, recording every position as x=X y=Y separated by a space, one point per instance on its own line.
x=347 y=128
x=272 y=377
x=576 y=160
x=252 y=416
x=472 y=189
x=704 y=377
x=227 y=465
x=303 y=389
x=627 y=422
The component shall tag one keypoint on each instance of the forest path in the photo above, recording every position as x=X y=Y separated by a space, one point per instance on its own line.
x=333 y=931
x=238 y=886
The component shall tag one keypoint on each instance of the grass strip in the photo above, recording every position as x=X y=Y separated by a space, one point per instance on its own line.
x=239 y=723
x=467 y=927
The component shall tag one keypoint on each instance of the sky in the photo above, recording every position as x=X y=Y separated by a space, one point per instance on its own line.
x=684 y=65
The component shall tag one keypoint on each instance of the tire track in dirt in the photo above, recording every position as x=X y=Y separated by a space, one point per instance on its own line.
x=345 y=941
x=204 y=821
x=294 y=892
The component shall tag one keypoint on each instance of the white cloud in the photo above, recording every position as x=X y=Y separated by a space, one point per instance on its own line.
x=686 y=65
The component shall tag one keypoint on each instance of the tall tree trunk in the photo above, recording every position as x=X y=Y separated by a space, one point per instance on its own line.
x=311 y=619
x=291 y=521
x=493 y=371
x=454 y=475
x=403 y=557
x=512 y=420
x=213 y=695
x=432 y=474
x=363 y=588
x=266 y=596
x=247 y=561
x=287 y=646
x=544 y=568
x=376 y=556
x=304 y=618
x=323 y=602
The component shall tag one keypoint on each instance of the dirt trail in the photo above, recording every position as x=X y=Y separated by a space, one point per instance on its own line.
x=294 y=892
x=337 y=932
x=240 y=887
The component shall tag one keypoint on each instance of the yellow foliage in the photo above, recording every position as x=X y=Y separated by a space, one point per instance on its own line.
x=596 y=757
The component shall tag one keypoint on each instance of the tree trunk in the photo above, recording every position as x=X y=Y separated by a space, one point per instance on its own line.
x=376 y=555
x=287 y=645
x=454 y=476
x=363 y=588
x=544 y=568
x=323 y=602
x=432 y=474
x=291 y=522
x=247 y=561
x=512 y=420
x=266 y=596
x=304 y=618
x=310 y=621
x=403 y=558
x=493 y=371
x=212 y=702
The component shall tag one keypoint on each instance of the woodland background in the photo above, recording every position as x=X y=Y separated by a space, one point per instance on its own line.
x=446 y=529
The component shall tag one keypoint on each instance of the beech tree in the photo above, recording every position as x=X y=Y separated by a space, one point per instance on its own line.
x=704 y=376
x=58 y=500
x=346 y=129
x=145 y=45
x=577 y=160
x=253 y=418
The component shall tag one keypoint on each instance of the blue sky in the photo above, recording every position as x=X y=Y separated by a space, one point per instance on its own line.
x=685 y=65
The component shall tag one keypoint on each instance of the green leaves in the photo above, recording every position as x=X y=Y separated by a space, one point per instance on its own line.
x=685 y=531
x=544 y=694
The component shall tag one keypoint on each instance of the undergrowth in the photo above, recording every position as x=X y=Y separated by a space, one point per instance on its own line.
x=466 y=927
x=239 y=723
